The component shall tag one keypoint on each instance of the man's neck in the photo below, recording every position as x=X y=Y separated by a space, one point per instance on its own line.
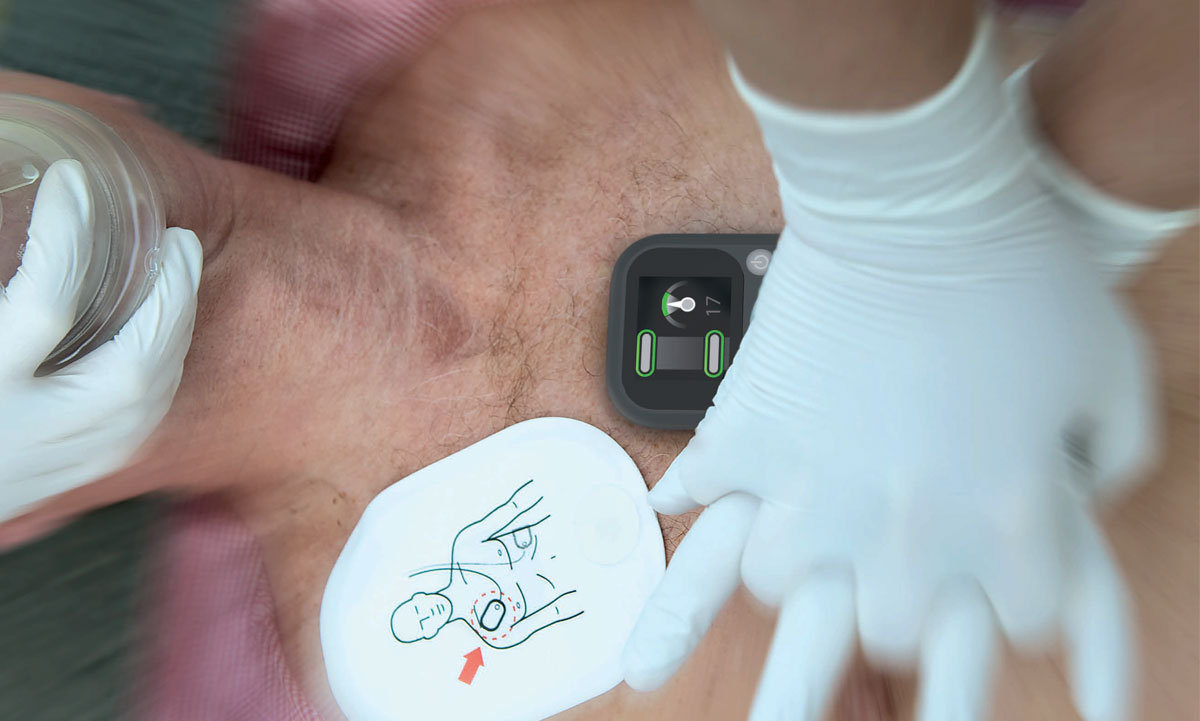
x=532 y=106
x=483 y=191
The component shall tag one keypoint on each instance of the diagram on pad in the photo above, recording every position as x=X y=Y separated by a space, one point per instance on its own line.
x=497 y=581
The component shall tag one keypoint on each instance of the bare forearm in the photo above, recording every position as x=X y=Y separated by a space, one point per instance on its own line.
x=850 y=55
x=1119 y=96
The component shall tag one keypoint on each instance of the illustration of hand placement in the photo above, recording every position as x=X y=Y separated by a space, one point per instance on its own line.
x=516 y=519
x=74 y=426
x=935 y=386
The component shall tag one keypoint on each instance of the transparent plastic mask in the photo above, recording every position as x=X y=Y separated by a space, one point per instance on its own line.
x=34 y=133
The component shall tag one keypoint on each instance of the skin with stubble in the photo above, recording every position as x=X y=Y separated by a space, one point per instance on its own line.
x=448 y=277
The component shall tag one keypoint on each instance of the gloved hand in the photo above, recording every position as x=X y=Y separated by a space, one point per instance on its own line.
x=935 y=385
x=63 y=430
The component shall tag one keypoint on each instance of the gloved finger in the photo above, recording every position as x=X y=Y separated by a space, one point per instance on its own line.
x=123 y=389
x=35 y=463
x=897 y=580
x=958 y=653
x=1099 y=632
x=56 y=476
x=1125 y=441
x=39 y=304
x=668 y=496
x=702 y=575
x=810 y=651
x=1022 y=561
x=94 y=436
x=712 y=464
x=892 y=603
x=784 y=545
x=153 y=343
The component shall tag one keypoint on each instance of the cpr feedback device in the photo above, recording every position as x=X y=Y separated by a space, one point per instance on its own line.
x=678 y=307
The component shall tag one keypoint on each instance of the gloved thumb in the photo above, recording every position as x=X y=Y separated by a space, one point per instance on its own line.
x=39 y=304
x=668 y=496
x=152 y=345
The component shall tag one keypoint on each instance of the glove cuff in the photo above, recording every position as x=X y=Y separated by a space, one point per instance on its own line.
x=1123 y=234
x=923 y=189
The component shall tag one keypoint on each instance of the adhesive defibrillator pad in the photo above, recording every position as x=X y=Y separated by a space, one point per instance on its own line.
x=497 y=584
x=678 y=307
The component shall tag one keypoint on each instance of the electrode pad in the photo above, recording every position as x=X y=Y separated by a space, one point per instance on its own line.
x=498 y=583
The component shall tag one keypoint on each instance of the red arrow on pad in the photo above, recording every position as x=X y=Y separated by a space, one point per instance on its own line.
x=473 y=664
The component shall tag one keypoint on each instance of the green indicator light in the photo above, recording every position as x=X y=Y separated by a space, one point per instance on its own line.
x=665 y=309
x=646 y=356
x=714 y=353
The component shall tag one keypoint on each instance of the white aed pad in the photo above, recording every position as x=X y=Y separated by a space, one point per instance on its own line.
x=499 y=583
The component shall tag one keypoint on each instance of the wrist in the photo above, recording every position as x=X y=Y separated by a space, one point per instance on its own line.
x=1123 y=114
x=845 y=56
x=923 y=191
x=1120 y=234
x=1101 y=139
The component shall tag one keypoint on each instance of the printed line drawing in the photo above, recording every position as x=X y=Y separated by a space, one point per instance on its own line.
x=495 y=583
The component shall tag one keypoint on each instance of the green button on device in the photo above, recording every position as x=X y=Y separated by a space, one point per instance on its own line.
x=645 y=353
x=714 y=354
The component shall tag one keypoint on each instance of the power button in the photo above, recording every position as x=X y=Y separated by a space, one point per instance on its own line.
x=758 y=260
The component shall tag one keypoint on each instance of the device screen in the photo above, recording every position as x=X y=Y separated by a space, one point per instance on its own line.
x=683 y=326
x=684 y=320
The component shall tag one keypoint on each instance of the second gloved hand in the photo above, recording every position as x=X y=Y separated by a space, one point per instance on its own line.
x=935 y=386
x=66 y=429
x=912 y=464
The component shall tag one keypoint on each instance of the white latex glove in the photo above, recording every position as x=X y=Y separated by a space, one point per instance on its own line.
x=63 y=430
x=935 y=386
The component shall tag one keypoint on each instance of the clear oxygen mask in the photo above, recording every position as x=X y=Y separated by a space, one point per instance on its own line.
x=129 y=222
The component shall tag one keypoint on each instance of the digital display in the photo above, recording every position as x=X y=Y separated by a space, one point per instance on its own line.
x=684 y=325
x=682 y=322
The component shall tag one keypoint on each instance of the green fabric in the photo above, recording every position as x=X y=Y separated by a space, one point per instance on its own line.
x=68 y=603
x=169 y=54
